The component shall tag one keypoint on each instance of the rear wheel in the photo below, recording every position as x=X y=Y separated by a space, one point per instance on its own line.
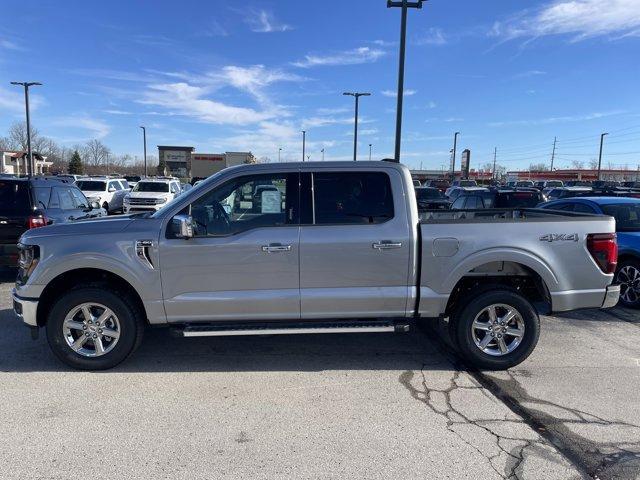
x=496 y=330
x=93 y=329
x=628 y=276
x=105 y=205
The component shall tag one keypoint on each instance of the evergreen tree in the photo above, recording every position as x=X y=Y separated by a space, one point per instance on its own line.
x=75 y=164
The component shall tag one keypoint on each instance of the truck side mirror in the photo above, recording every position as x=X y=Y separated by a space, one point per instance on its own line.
x=182 y=226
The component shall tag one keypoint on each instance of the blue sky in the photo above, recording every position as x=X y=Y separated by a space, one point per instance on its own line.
x=249 y=75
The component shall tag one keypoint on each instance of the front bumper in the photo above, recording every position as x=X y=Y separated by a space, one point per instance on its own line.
x=611 y=297
x=25 y=309
x=141 y=208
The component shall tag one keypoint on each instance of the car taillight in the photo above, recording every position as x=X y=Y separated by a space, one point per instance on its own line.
x=35 y=222
x=603 y=247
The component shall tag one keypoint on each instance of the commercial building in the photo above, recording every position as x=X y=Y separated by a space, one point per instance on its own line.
x=478 y=175
x=574 y=174
x=184 y=162
x=16 y=163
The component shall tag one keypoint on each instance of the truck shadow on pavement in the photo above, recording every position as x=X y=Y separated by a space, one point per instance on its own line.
x=163 y=352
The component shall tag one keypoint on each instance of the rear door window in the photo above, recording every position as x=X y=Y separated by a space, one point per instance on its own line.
x=352 y=198
x=79 y=199
x=42 y=195
x=66 y=198
x=459 y=203
x=14 y=198
x=583 y=208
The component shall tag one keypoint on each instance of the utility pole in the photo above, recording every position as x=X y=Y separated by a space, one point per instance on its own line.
x=453 y=162
x=26 y=85
x=495 y=154
x=404 y=5
x=322 y=151
x=369 y=152
x=356 y=95
x=144 y=139
x=304 y=143
x=553 y=153
x=600 y=155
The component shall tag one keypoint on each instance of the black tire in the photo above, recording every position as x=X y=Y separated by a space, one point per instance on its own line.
x=461 y=329
x=628 y=299
x=131 y=328
x=105 y=205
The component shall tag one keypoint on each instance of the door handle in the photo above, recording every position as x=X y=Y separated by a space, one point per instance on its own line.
x=386 y=245
x=276 y=247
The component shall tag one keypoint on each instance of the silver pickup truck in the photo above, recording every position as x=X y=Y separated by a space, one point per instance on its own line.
x=296 y=248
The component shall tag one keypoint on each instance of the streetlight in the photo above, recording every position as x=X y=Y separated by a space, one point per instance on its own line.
x=369 y=152
x=453 y=161
x=600 y=156
x=144 y=139
x=26 y=86
x=279 y=150
x=304 y=141
x=322 y=151
x=356 y=95
x=404 y=4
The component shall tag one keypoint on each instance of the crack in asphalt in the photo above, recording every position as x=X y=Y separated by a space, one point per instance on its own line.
x=592 y=459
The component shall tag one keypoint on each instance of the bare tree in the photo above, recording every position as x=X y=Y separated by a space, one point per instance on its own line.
x=579 y=164
x=95 y=153
x=593 y=163
x=538 y=167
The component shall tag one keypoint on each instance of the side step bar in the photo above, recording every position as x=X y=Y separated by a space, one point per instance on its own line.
x=231 y=330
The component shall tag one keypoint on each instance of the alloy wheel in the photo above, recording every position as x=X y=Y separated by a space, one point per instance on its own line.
x=91 y=329
x=629 y=279
x=498 y=329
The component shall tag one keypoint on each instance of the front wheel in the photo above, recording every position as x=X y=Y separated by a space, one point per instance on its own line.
x=93 y=329
x=628 y=276
x=496 y=330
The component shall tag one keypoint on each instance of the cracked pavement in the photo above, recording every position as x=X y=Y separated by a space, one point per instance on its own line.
x=332 y=406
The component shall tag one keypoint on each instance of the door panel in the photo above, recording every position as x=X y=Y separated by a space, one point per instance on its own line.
x=355 y=270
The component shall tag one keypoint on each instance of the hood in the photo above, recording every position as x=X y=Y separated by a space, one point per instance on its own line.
x=92 y=193
x=148 y=194
x=83 y=227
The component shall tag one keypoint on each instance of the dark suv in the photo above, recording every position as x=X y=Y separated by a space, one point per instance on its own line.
x=36 y=202
x=498 y=198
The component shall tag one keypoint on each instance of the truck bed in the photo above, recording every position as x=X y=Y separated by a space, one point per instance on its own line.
x=499 y=215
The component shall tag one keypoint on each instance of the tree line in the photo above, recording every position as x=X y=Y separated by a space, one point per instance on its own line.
x=90 y=158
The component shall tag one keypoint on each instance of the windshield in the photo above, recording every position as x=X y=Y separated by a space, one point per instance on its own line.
x=468 y=183
x=517 y=200
x=14 y=198
x=428 y=193
x=158 y=187
x=91 y=185
x=627 y=216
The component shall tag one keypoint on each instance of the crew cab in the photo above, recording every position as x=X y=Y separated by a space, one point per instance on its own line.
x=151 y=194
x=334 y=247
x=107 y=192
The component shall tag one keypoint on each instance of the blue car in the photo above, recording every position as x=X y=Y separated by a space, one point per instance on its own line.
x=626 y=211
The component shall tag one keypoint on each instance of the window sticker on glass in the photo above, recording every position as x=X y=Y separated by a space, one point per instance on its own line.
x=271 y=201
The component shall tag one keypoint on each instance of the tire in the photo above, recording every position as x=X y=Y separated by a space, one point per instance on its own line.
x=64 y=328
x=628 y=276
x=105 y=205
x=493 y=356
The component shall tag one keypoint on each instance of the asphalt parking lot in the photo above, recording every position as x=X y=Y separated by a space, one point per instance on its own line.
x=331 y=406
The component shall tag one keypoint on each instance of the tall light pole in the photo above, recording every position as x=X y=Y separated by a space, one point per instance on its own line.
x=453 y=161
x=495 y=154
x=553 y=153
x=322 y=151
x=369 y=152
x=304 y=143
x=600 y=155
x=26 y=86
x=279 y=150
x=356 y=95
x=404 y=5
x=144 y=139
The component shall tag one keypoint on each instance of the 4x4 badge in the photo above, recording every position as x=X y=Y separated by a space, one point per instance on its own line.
x=559 y=237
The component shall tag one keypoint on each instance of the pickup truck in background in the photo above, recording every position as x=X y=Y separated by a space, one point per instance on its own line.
x=332 y=247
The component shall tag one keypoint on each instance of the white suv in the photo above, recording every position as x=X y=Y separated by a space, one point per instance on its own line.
x=108 y=192
x=151 y=194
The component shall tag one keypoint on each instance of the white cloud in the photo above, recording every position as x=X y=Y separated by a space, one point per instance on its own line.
x=560 y=119
x=434 y=36
x=117 y=112
x=215 y=29
x=392 y=93
x=13 y=100
x=348 y=57
x=263 y=21
x=95 y=127
x=8 y=45
x=254 y=79
x=332 y=111
x=384 y=43
x=324 y=121
x=431 y=104
x=528 y=74
x=580 y=19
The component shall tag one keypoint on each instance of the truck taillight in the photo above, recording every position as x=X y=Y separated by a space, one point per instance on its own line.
x=35 y=222
x=604 y=250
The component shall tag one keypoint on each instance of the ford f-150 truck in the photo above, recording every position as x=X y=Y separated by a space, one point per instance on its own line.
x=296 y=248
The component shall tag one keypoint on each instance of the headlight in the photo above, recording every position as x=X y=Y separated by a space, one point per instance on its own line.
x=28 y=256
x=160 y=201
x=126 y=199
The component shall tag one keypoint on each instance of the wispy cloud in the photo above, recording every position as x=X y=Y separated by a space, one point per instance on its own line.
x=13 y=100
x=392 y=93
x=384 y=43
x=324 y=121
x=558 y=119
x=581 y=19
x=254 y=79
x=214 y=29
x=264 y=21
x=348 y=57
x=433 y=36
x=8 y=45
x=94 y=127
x=118 y=112
x=528 y=74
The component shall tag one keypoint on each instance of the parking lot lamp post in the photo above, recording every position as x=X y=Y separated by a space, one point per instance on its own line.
x=322 y=151
x=279 y=151
x=26 y=86
x=304 y=143
x=600 y=155
x=404 y=5
x=357 y=96
x=144 y=139
x=369 y=152
x=453 y=158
